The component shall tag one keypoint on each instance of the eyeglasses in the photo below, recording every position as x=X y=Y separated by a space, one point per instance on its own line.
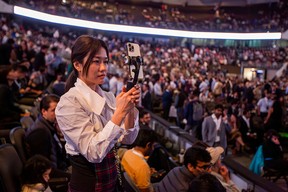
x=205 y=167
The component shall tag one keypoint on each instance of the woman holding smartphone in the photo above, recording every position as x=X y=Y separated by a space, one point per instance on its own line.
x=94 y=121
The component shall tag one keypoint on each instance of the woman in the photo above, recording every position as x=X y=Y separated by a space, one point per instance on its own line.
x=274 y=119
x=92 y=121
x=35 y=175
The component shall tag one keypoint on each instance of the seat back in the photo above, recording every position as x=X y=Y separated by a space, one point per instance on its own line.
x=26 y=122
x=10 y=169
x=5 y=130
x=17 y=138
x=129 y=185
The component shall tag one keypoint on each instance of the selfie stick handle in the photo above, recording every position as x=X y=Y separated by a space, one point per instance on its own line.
x=129 y=85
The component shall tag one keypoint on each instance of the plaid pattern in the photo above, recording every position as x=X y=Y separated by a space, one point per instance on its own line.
x=106 y=174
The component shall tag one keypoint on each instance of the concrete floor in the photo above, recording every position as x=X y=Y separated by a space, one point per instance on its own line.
x=245 y=159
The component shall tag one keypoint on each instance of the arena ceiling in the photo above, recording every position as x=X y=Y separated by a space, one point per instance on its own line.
x=206 y=2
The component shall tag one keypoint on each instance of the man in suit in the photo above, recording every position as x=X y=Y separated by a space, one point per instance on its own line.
x=167 y=100
x=146 y=97
x=144 y=119
x=214 y=128
x=245 y=126
x=43 y=137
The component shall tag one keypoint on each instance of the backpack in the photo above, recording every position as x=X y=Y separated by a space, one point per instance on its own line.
x=198 y=111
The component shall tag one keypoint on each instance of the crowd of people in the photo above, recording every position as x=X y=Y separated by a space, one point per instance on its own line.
x=264 y=18
x=185 y=82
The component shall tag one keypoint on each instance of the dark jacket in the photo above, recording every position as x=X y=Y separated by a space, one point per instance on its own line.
x=41 y=139
x=39 y=61
x=178 y=179
x=147 y=101
x=9 y=112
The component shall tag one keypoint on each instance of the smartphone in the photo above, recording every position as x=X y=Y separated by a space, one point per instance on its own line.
x=133 y=49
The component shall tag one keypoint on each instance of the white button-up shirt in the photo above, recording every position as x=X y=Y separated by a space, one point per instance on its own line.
x=84 y=117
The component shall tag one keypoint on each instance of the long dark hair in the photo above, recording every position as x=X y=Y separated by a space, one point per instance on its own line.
x=83 y=46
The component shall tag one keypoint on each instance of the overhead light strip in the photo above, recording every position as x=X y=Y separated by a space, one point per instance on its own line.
x=141 y=30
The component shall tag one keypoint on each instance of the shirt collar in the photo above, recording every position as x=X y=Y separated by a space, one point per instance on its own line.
x=93 y=99
x=215 y=118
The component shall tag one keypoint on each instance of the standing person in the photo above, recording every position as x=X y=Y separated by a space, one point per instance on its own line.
x=53 y=61
x=275 y=117
x=214 y=128
x=93 y=121
x=5 y=52
x=264 y=104
x=194 y=113
x=144 y=119
x=40 y=58
x=167 y=100
x=180 y=99
x=146 y=97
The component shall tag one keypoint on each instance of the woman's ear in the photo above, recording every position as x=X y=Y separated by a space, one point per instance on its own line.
x=77 y=66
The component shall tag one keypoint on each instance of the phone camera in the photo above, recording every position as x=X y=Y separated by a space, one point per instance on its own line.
x=131 y=47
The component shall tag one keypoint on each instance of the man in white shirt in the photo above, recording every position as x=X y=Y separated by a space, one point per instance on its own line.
x=264 y=104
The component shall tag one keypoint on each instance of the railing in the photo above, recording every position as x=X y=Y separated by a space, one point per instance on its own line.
x=253 y=182
x=180 y=139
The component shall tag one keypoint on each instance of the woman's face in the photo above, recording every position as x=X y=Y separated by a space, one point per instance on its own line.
x=46 y=175
x=97 y=70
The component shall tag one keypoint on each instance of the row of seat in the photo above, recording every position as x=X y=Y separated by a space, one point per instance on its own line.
x=12 y=159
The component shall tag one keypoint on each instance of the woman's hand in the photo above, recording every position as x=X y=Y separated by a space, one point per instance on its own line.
x=125 y=103
x=126 y=100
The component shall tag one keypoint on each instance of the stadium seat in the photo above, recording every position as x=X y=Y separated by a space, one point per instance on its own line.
x=10 y=169
x=129 y=185
x=17 y=138
x=5 y=129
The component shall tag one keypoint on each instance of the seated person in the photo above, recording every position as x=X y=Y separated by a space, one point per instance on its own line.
x=247 y=130
x=44 y=138
x=221 y=171
x=134 y=162
x=10 y=112
x=159 y=159
x=196 y=161
x=38 y=81
x=206 y=183
x=273 y=152
x=35 y=174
